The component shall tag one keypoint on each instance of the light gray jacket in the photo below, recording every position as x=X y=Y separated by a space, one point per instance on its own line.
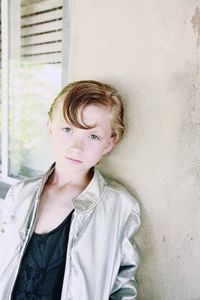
x=101 y=257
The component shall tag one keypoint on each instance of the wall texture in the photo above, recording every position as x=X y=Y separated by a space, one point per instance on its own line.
x=150 y=50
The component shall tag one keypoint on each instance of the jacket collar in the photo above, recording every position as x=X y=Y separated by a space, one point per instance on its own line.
x=90 y=196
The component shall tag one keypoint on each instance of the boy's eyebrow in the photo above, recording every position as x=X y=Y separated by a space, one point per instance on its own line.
x=96 y=128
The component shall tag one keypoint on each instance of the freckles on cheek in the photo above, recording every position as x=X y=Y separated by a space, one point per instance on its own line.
x=96 y=148
x=59 y=136
x=57 y=144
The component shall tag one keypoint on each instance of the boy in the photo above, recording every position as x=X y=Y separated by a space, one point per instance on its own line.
x=68 y=234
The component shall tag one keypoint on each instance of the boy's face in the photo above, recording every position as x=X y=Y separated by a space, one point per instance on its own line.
x=78 y=149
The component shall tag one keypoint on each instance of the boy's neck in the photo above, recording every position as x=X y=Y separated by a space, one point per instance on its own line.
x=61 y=178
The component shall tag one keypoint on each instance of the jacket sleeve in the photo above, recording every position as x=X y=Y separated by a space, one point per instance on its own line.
x=125 y=287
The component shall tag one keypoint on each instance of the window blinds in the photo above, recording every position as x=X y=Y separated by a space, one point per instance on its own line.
x=41 y=32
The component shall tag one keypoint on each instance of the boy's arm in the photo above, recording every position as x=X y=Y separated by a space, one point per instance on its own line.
x=125 y=287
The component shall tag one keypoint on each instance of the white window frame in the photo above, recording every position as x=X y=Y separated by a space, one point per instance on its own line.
x=5 y=31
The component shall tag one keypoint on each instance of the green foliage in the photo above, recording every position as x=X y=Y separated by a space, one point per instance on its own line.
x=32 y=89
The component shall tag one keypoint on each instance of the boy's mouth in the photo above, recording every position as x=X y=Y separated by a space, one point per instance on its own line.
x=73 y=160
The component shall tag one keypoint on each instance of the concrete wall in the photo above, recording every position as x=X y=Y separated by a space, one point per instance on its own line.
x=150 y=50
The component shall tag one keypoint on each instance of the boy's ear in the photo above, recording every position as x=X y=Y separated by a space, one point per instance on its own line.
x=49 y=128
x=112 y=142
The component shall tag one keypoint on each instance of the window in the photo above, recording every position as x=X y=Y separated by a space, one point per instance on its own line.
x=32 y=69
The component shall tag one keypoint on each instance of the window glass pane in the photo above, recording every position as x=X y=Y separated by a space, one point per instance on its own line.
x=35 y=79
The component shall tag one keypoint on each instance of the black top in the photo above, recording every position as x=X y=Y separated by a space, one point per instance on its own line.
x=43 y=264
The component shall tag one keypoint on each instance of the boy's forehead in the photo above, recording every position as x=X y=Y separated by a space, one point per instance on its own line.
x=91 y=114
x=96 y=113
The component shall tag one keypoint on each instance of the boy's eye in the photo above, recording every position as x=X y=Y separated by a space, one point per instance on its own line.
x=67 y=129
x=94 y=137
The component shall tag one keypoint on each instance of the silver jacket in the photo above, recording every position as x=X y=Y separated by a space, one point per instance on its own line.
x=102 y=258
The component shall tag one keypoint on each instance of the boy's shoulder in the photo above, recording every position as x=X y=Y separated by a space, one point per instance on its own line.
x=34 y=182
x=19 y=192
x=27 y=184
x=116 y=186
x=120 y=193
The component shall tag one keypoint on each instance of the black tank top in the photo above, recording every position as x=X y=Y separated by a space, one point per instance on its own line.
x=43 y=264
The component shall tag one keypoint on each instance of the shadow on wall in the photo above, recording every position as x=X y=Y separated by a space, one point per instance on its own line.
x=196 y=24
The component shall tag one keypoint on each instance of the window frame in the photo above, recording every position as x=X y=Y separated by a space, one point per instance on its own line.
x=5 y=179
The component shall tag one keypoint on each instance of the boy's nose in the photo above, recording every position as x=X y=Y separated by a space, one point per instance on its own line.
x=77 y=144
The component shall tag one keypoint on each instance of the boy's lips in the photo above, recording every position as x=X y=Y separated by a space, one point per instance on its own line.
x=73 y=160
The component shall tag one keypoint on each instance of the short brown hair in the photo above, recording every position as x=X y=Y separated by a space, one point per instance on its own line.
x=77 y=95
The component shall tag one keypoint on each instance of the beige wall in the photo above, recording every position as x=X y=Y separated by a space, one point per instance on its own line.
x=150 y=50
